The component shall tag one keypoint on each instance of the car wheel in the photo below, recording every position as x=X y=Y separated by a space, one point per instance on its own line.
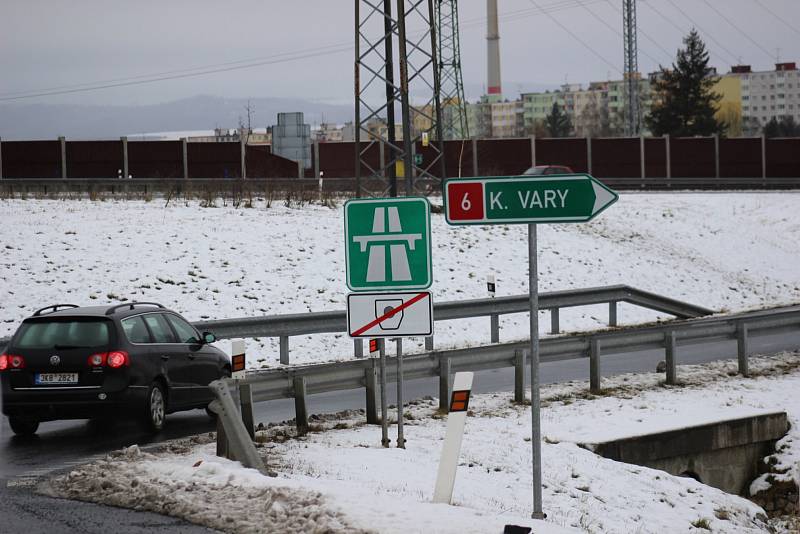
x=23 y=427
x=156 y=409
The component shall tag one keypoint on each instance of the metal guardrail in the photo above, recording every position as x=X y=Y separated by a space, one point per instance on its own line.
x=284 y=326
x=355 y=374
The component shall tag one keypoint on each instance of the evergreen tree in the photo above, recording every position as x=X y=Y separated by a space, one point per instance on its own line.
x=685 y=102
x=786 y=127
x=557 y=122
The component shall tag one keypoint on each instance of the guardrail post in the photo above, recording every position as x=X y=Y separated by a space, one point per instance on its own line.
x=519 y=375
x=742 y=346
x=669 y=157
x=284 y=350
x=246 y=403
x=495 y=322
x=371 y=386
x=63 y=142
x=301 y=413
x=612 y=313
x=444 y=384
x=716 y=155
x=554 y=326
x=670 y=346
x=533 y=151
x=594 y=366
x=429 y=343
x=358 y=348
x=239 y=442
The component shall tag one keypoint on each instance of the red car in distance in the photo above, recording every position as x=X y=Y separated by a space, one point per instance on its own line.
x=542 y=170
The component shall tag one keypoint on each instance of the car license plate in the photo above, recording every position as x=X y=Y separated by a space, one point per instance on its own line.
x=56 y=378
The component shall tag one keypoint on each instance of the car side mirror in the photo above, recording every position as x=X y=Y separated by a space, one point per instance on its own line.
x=208 y=338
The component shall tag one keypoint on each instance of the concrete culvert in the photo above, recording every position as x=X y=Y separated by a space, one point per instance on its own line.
x=691 y=474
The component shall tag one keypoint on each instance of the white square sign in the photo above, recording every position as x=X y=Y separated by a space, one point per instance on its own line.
x=390 y=314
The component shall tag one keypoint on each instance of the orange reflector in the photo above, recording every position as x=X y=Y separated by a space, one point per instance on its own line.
x=237 y=362
x=459 y=401
x=373 y=345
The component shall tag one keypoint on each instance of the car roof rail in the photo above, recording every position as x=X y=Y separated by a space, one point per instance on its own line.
x=54 y=307
x=131 y=305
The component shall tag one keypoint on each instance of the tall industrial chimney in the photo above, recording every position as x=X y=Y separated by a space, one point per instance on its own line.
x=493 y=48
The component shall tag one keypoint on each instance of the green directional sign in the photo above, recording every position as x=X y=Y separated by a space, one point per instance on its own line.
x=526 y=199
x=388 y=243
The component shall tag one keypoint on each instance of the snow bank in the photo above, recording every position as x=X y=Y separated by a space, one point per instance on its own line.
x=720 y=250
x=349 y=481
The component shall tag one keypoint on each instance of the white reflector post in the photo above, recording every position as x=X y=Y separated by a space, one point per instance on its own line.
x=237 y=359
x=459 y=403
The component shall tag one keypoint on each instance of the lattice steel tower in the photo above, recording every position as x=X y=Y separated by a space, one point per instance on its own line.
x=631 y=69
x=454 y=105
x=380 y=85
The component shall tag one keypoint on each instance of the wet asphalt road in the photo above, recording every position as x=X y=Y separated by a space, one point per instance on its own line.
x=61 y=445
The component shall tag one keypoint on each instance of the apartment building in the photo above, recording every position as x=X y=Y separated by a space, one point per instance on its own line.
x=768 y=94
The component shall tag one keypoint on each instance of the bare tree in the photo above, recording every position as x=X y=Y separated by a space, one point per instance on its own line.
x=246 y=128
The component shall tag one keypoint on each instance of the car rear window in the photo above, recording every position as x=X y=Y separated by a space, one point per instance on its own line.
x=63 y=334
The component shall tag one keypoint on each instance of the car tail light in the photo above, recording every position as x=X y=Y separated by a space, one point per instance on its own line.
x=10 y=361
x=117 y=359
x=97 y=360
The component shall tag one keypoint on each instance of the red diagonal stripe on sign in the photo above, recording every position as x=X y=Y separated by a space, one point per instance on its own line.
x=390 y=314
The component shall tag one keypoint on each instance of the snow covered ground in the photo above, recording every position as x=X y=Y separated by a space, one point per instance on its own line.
x=726 y=251
x=342 y=480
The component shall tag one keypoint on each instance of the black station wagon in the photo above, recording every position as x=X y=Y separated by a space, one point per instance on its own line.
x=138 y=359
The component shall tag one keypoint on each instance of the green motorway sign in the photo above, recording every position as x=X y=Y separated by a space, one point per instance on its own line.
x=526 y=199
x=388 y=243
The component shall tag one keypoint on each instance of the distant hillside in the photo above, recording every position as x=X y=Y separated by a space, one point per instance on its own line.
x=44 y=121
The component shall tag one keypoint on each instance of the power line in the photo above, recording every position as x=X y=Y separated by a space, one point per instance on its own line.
x=680 y=29
x=204 y=70
x=613 y=29
x=320 y=49
x=718 y=12
x=731 y=54
x=768 y=10
x=645 y=35
x=175 y=77
x=574 y=36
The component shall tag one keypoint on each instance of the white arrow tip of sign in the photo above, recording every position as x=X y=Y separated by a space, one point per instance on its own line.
x=602 y=197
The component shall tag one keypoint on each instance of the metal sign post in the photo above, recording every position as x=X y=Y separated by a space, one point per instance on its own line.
x=401 y=441
x=527 y=200
x=385 y=441
x=536 y=442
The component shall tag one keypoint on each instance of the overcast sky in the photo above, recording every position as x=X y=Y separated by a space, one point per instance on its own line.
x=48 y=44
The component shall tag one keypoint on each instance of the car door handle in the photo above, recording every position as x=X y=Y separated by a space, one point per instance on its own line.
x=164 y=357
